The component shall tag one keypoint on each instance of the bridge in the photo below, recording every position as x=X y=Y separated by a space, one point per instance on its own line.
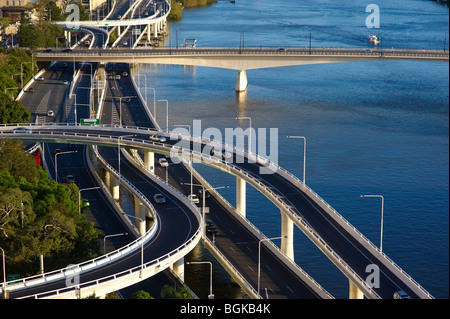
x=348 y=249
x=241 y=59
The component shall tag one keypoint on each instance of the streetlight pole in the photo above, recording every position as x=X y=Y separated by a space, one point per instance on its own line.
x=191 y=157
x=259 y=259
x=203 y=200
x=142 y=245
x=118 y=148
x=211 y=296
x=167 y=114
x=108 y=236
x=79 y=196
x=250 y=134
x=382 y=209
x=4 y=274
x=304 y=155
x=56 y=162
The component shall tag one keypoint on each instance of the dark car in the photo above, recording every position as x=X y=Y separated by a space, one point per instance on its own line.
x=30 y=90
x=70 y=179
x=67 y=50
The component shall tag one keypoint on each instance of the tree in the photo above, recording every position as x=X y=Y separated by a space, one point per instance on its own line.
x=141 y=294
x=172 y=292
x=14 y=209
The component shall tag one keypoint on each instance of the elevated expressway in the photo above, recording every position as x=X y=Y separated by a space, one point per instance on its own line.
x=240 y=59
x=348 y=249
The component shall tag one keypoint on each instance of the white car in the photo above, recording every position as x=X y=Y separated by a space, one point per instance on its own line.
x=41 y=78
x=157 y=138
x=193 y=198
x=50 y=113
x=163 y=162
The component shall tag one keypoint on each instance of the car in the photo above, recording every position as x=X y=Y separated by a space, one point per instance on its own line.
x=124 y=73
x=193 y=198
x=128 y=100
x=200 y=194
x=22 y=130
x=50 y=113
x=40 y=78
x=64 y=65
x=65 y=82
x=47 y=50
x=67 y=50
x=163 y=162
x=119 y=17
x=157 y=138
x=159 y=198
x=125 y=44
x=367 y=51
x=281 y=50
x=73 y=147
x=30 y=90
x=211 y=229
x=218 y=151
x=401 y=295
x=85 y=202
x=69 y=179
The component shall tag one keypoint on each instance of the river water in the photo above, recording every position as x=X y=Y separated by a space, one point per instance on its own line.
x=371 y=127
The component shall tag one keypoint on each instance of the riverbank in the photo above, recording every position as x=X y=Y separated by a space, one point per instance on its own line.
x=178 y=7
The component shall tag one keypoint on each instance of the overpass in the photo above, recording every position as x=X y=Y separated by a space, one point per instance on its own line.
x=241 y=59
x=347 y=248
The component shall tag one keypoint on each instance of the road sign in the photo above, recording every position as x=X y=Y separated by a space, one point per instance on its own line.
x=90 y=121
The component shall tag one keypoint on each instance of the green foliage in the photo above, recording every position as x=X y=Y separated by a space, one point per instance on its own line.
x=39 y=216
x=176 y=11
x=43 y=34
x=172 y=292
x=141 y=294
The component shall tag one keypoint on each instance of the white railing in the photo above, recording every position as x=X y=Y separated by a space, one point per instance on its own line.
x=277 y=199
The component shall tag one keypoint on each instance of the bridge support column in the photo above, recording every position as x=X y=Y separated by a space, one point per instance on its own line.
x=354 y=291
x=287 y=230
x=241 y=187
x=155 y=30
x=241 y=82
x=178 y=268
x=115 y=188
x=139 y=212
x=149 y=161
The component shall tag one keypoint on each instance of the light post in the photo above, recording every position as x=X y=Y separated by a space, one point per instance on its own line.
x=108 y=236
x=167 y=114
x=56 y=162
x=304 y=155
x=79 y=196
x=259 y=259
x=154 y=102
x=75 y=109
x=191 y=157
x=250 y=134
x=211 y=296
x=203 y=200
x=118 y=147
x=4 y=274
x=382 y=209
x=142 y=245
x=21 y=72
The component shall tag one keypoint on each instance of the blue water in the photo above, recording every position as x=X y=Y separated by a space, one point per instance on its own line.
x=371 y=127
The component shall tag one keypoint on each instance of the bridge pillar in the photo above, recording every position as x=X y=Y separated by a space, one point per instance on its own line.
x=155 y=29
x=139 y=212
x=354 y=291
x=178 y=268
x=241 y=187
x=115 y=188
x=149 y=161
x=241 y=82
x=287 y=230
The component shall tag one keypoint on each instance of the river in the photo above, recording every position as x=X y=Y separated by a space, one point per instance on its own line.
x=371 y=127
